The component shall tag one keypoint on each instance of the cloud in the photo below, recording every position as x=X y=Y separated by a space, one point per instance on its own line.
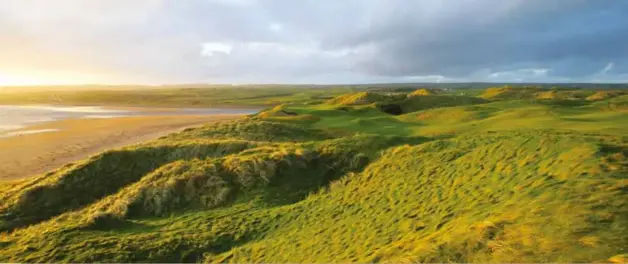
x=234 y=2
x=285 y=62
x=508 y=35
x=276 y=27
x=608 y=67
x=316 y=41
x=428 y=78
x=209 y=48
x=519 y=75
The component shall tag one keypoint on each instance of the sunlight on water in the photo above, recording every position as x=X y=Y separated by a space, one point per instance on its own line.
x=28 y=132
x=15 y=117
x=67 y=109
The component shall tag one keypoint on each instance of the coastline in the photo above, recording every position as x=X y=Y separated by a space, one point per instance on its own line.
x=138 y=107
x=71 y=140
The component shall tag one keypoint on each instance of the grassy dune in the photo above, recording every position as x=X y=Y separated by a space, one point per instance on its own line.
x=521 y=176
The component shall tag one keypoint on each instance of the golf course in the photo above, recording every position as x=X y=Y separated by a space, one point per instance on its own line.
x=335 y=174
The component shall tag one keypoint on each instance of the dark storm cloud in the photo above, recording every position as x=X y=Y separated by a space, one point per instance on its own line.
x=572 y=39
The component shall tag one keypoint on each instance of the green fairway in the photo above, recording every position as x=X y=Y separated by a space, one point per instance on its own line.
x=343 y=175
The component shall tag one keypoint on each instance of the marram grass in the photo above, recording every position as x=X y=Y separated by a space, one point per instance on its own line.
x=527 y=175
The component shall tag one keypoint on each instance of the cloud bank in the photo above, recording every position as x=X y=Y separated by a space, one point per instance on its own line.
x=324 y=41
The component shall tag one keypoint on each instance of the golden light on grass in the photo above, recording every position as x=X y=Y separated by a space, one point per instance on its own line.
x=517 y=179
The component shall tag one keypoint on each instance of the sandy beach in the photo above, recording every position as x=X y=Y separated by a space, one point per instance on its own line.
x=70 y=140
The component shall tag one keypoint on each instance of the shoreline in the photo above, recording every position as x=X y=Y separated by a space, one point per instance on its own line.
x=105 y=112
x=71 y=140
x=132 y=106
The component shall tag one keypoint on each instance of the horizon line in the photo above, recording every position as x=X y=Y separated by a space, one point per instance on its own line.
x=303 y=84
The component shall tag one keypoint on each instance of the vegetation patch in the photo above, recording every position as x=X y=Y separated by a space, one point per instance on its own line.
x=417 y=103
x=509 y=92
x=532 y=174
x=361 y=98
x=101 y=175
x=603 y=95
x=393 y=109
x=255 y=129
x=421 y=92
x=506 y=197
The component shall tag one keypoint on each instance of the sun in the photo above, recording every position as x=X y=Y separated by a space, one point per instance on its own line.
x=19 y=80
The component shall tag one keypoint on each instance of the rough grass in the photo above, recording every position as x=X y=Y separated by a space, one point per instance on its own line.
x=78 y=185
x=514 y=197
x=361 y=98
x=416 y=103
x=421 y=92
x=603 y=95
x=456 y=179
x=508 y=92
x=253 y=129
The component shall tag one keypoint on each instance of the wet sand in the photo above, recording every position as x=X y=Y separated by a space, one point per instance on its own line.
x=70 y=140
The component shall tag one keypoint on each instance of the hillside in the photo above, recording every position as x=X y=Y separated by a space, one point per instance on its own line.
x=530 y=175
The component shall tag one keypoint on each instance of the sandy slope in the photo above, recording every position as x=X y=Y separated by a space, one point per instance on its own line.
x=31 y=154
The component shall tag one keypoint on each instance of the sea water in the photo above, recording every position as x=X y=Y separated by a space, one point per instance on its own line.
x=15 y=118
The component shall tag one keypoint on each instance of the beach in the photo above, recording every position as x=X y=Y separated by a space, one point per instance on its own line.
x=42 y=147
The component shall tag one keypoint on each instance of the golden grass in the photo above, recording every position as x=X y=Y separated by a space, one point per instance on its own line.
x=603 y=95
x=420 y=92
x=361 y=98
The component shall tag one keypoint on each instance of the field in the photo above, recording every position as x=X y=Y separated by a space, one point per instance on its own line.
x=527 y=174
x=168 y=96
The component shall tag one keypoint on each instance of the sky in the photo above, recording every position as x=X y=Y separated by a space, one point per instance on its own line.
x=312 y=41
